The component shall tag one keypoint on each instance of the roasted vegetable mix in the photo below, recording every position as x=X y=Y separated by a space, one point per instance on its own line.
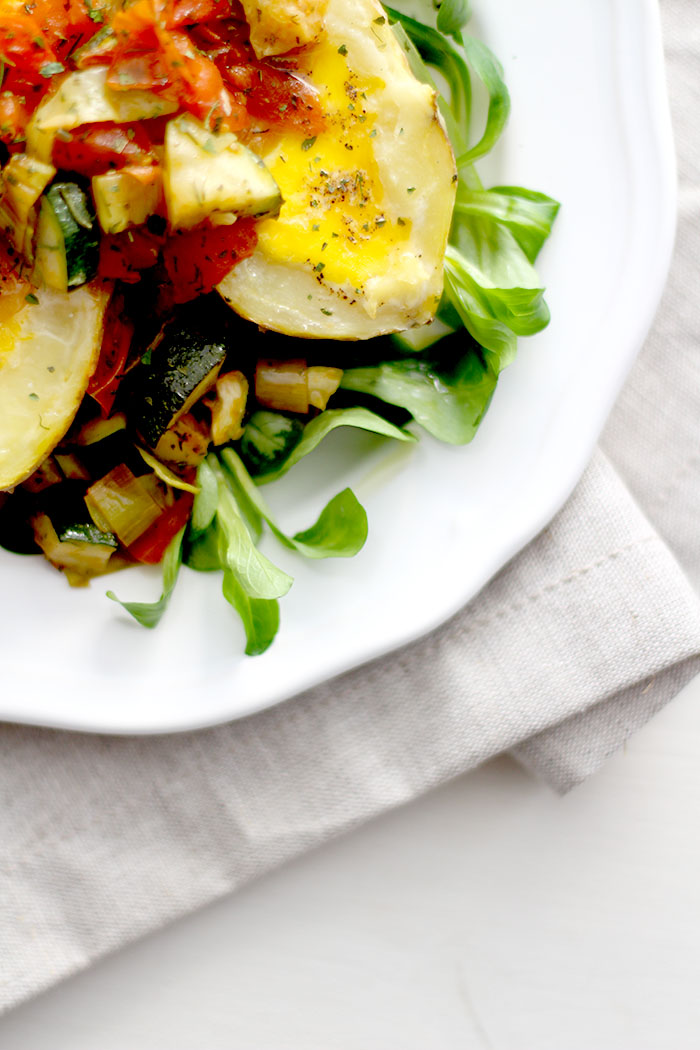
x=227 y=229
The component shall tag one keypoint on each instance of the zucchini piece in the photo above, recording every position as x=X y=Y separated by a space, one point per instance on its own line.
x=67 y=242
x=127 y=197
x=24 y=179
x=68 y=536
x=84 y=98
x=180 y=370
x=206 y=172
x=267 y=441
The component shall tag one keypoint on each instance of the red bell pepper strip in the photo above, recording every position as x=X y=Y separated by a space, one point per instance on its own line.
x=152 y=545
x=116 y=342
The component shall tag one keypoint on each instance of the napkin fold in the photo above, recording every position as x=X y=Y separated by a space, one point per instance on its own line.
x=567 y=651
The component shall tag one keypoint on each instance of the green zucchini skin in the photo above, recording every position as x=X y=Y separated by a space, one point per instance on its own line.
x=68 y=245
x=178 y=371
x=65 y=507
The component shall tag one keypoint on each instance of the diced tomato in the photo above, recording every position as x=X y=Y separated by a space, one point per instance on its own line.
x=281 y=99
x=95 y=148
x=272 y=94
x=225 y=36
x=155 y=128
x=152 y=545
x=24 y=46
x=135 y=25
x=189 y=12
x=142 y=71
x=124 y=255
x=196 y=260
x=116 y=341
x=152 y=54
x=13 y=117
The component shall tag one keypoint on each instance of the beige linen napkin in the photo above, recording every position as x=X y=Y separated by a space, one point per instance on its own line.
x=574 y=645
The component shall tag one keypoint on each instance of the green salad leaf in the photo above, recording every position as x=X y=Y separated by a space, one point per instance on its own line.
x=227 y=519
x=223 y=541
x=237 y=551
x=260 y=617
x=319 y=428
x=149 y=614
x=339 y=532
x=452 y=16
x=447 y=398
x=528 y=215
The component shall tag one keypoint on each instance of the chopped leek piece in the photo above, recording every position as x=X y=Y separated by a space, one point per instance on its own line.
x=124 y=503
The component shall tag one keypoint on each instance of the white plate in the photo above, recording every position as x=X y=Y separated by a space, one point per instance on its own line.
x=590 y=127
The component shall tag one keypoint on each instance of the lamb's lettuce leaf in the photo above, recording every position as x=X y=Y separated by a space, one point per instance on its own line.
x=447 y=398
x=324 y=423
x=452 y=16
x=237 y=551
x=339 y=532
x=528 y=215
x=149 y=614
x=260 y=617
x=491 y=286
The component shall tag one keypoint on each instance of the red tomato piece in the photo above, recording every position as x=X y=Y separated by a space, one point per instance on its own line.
x=13 y=117
x=137 y=21
x=225 y=36
x=273 y=94
x=116 y=342
x=196 y=260
x=139 y=70
x=280 y=99
x=189 y=12
x=151 y=54
x=24 y=46
x=124 y=255
x=96 y=148
x=152 y=545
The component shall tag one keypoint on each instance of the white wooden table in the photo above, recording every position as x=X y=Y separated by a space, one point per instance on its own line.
x=491 y=915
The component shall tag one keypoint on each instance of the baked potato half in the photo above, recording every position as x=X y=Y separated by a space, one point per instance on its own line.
x=357 y=249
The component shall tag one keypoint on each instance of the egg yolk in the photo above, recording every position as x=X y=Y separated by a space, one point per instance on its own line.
x=333 y=218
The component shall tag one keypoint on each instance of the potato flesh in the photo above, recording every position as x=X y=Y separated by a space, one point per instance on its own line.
x=281 y=25
x=394 y=278
x=48 y=351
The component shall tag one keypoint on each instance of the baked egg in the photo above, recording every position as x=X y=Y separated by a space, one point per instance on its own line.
x=357 y=248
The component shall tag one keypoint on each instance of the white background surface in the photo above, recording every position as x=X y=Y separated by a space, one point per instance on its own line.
x=490 y=915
